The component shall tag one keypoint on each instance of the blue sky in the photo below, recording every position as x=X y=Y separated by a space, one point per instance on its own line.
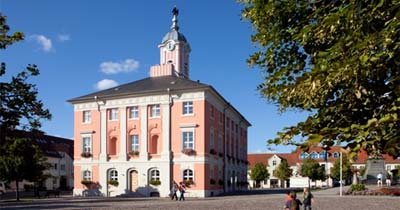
x=81 y=46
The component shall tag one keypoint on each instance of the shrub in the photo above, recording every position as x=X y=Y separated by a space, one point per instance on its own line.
x=113 y=182
x=134 y=152
x=86 y=154
x=189 y=151
x=189 y=183
x=356 y=187
x=155 y=182
x=87 y=183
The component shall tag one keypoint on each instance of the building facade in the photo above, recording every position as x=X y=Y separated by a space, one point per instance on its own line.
x=138 y=138
x=59 y=153
x=326 y=158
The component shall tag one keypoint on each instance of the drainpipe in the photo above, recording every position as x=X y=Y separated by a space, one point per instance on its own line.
x=224 y=143
x=171 y=103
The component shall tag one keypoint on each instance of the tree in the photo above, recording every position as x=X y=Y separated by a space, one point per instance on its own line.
x=346 y=168
x=259 y=172
x=336 y=59
x=283 y=171
x=311 y=169
x=21 y=160
x=19 y=110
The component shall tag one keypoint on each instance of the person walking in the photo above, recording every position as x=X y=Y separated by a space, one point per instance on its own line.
x=293 y=203
x=308 y=199
x=173 y=191
x=182 y=189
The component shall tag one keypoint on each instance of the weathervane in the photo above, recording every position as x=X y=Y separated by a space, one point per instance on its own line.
x=175 y=13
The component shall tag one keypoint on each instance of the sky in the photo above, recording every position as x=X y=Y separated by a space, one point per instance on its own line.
x=82 y=46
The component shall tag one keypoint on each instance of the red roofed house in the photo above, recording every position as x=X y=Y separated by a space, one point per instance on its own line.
x=295 y=160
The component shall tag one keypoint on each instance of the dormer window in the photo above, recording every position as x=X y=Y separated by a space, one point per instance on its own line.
x=314 y=155
x=304 y=155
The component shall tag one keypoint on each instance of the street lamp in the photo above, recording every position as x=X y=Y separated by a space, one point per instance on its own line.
x=341 y=174
x=325 y=148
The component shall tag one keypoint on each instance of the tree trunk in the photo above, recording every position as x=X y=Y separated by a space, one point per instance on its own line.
x=17 y=191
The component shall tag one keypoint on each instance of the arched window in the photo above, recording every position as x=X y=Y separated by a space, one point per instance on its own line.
x=336 y=155
x=187 y=174
x=154 y=174
x=87 y=175
x=113 y=175
x=304 y=155
x=314 y=155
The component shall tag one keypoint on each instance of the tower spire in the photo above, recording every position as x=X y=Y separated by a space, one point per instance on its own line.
x=175 y=13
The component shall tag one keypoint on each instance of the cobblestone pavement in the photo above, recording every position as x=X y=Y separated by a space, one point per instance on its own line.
x=251 y=202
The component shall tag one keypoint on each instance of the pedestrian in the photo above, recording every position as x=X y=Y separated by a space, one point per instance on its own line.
x=308 y=199
x=388 y=180
x=173 y=191
x=182 y=189
x=293 y=203
x=379 y=177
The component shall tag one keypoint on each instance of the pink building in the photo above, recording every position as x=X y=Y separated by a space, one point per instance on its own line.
x=137 y=138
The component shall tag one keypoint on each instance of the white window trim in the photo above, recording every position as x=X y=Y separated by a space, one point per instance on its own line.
x=183 y=174
x=112 y=176
x=151 y=111
x=129 y=113
x=138 y=140
x=183 y=109
x=157 y=177
x=84 y=117
x=194 y=137
x=83 y=175
x=90 y=145
x=110 y=114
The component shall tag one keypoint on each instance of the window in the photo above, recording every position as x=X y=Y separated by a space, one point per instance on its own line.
x=211 y=111
x=304 y=155
x=87 y=175
x=62 y=167
x=187 y=139
x=154 y=174
x=220 y=143
x=87 y=144
x=86 y=117
x=113 y=175
x=155 y=110
x=323 y=154
x=187 y=175
x=133 y=112
x=335 y=155
x=388 y=168
x=113 y=114
x=55 y=166
x=187 y=108
x=212 y=138
x=314 y=155
x=211 y=172
x=134 y=143
x=274 y=162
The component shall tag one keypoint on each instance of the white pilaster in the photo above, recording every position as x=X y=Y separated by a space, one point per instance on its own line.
x=166 y=145
x=103 y=135
x=122 y=150
x=143 y=155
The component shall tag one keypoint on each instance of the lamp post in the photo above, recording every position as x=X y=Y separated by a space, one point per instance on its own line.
x=341 y=173
x=325 y=148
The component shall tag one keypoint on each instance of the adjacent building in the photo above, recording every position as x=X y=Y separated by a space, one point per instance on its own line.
x=140 y=137
x=59 y=153
x=325 y=157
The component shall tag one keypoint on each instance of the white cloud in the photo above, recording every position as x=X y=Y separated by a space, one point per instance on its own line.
x=128 y=65
x=105 y=84
x=44 y=42
x=63 y=37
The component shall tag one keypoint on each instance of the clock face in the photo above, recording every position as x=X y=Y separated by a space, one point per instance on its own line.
x=170 y=45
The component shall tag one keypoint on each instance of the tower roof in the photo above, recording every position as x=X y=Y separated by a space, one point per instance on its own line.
x=174 y=33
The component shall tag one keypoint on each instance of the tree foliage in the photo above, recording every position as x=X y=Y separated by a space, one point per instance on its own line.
x=346 y=168
x=311 y=169
x=259 y=172
x=339 y=60
x=283 y=171
x=20 y=109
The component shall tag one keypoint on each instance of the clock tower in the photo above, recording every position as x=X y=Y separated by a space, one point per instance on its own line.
x=174 y=52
